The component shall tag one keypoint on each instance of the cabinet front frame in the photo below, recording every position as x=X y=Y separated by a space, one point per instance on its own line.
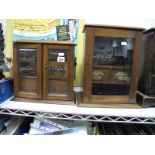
x=38 y=94
x=91 y=33
x=70 y=54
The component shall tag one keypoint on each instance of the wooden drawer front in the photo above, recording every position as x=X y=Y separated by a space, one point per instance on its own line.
x=118 y=76
x=58 y=70
x=100 y=75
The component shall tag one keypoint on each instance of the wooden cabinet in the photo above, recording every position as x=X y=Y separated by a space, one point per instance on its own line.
x=44 y=69
x=146 y=97
x=112 y=61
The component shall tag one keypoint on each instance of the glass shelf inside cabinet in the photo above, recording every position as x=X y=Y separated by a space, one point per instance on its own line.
x=27 y=69
x=112 y=63
x=57 y=72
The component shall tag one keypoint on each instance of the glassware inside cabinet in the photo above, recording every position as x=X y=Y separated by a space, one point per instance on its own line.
x=57 y=72
x=112 y=63
x=27 y=69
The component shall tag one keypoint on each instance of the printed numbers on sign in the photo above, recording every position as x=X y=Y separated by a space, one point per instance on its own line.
x=60 y=59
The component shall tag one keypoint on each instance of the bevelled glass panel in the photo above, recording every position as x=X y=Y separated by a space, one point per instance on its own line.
x=27 y=70
x=112 y=64
x=57 y=72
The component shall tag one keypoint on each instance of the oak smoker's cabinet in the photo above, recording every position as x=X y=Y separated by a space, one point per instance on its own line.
x=112 y=64
x=43 y=69
x=146 y=94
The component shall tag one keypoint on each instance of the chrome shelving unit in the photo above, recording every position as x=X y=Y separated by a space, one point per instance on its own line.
x=70 y=112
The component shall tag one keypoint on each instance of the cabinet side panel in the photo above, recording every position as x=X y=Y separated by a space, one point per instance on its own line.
x=71 y=73
x=15 y=68
x=89 y=47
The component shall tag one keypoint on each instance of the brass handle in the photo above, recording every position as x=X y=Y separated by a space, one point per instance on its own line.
x=122 y=76
x=98 y=75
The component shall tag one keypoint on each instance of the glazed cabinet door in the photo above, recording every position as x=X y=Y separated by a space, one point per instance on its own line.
x=27 y=70
x=58 y=72
x=111 y=65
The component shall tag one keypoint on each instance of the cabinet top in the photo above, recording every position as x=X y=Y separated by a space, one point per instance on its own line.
x=149 y=30
x=46 y=42
x=114 y=27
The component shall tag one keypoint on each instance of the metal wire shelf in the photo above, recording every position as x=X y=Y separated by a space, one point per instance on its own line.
x=82 y=117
